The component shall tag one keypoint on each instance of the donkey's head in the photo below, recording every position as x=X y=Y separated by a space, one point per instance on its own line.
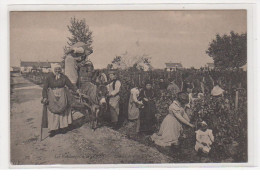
x=102 y=94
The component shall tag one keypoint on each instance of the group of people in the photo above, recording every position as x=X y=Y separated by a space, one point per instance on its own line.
x=60 y=85
x=141 y=106
x=57 y=96
x=142 y=109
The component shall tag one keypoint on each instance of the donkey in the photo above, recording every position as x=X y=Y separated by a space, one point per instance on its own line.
x=93 y=97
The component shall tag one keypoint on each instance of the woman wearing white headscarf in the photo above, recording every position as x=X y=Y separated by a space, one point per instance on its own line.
x=55 y=96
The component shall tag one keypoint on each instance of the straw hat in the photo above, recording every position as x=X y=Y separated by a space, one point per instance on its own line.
x=80 y=48
x=216 y=91
x=203 y=123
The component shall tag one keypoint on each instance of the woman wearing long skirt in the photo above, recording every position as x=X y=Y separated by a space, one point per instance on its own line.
x=55 y=96
x=171 y=127
x=147 y=113
x=114 y=97
x=133 y=107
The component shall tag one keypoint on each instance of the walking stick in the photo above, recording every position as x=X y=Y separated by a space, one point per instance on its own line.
x=41 y=132
x=44 y=120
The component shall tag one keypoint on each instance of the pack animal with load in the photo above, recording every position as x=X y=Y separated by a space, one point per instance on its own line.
x=93 y=92
x=91 y=95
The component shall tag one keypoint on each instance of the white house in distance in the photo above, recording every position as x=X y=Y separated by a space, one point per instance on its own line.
x=27 y=66
x=173 y=66
x=14 y=69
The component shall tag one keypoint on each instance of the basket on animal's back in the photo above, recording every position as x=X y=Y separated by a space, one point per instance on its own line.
x=90 y=82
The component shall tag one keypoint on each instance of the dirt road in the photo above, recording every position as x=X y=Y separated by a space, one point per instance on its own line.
x=79 y=146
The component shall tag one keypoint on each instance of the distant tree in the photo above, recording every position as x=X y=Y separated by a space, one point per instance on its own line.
x=134 y=62
x=117 y=62
x=63 y=64
x=109 y=66
x=79 y=33
x=229 y=51
x=143 y=63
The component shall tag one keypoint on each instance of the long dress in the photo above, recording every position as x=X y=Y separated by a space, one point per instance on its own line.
x=113 y=89
x=147 y=113
x=56 y=87
x=71 y=70
x=133 y=110
x=171 y=128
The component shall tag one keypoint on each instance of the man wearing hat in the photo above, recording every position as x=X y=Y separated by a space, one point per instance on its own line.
x=113 y=92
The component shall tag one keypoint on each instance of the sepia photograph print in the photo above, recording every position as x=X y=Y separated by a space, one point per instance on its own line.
x=128 y=87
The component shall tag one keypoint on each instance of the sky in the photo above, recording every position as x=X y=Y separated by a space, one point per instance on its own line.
x=166 y=36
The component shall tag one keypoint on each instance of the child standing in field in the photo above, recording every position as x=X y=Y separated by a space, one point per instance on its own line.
x=204 y=138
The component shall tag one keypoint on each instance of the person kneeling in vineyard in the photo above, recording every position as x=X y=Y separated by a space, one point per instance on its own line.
x=171 y=127
x=204 y=139
x=55 y=98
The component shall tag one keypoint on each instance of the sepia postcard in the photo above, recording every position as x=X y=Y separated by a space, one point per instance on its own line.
x=129 y=87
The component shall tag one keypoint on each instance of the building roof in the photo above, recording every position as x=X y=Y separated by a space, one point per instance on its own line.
x=36 y=64
x=210 y=65
x=14 y=68
x=28 y=64
x=45 y=64
x=173 y=65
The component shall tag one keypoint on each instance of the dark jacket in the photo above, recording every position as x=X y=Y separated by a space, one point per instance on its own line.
x=51 y=82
